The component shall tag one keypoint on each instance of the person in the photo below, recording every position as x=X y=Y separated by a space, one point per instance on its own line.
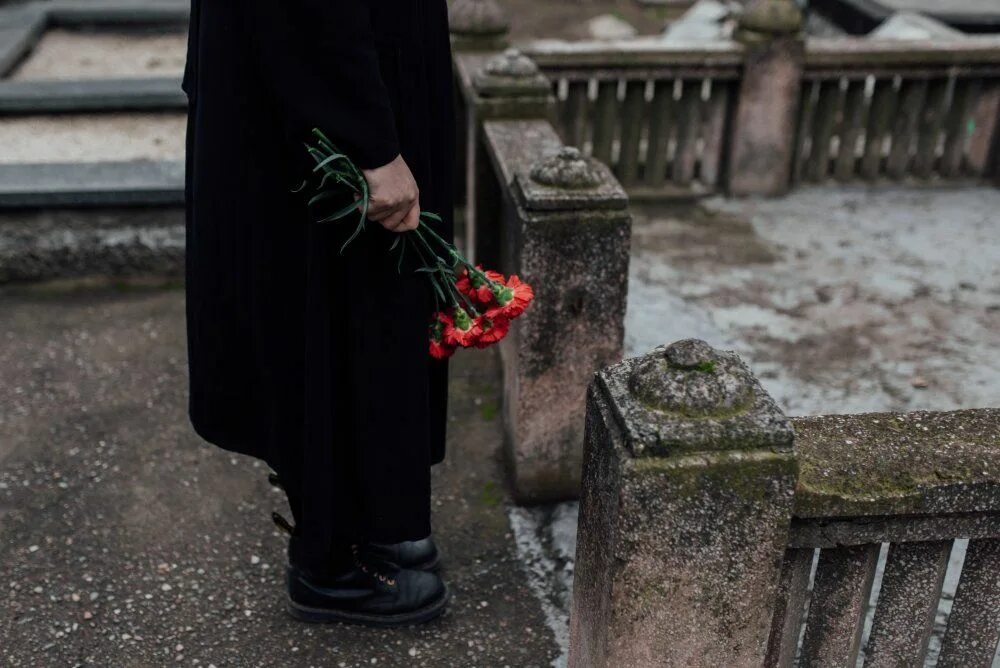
x=308 y=357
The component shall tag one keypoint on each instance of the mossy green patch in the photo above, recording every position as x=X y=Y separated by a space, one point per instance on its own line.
x=885 y=463
x=491 y=495
x=488 y=409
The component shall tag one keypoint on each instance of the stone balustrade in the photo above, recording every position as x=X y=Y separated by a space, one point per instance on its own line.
x=773 y=109
x=707 y=538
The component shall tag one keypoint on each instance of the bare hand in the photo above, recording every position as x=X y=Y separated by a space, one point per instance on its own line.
x=393 y=196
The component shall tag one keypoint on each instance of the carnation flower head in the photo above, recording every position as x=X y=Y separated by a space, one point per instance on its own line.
x=438 y=348
x=484 y=293
x=512 y=298
x=462 y=330
x=494 y=329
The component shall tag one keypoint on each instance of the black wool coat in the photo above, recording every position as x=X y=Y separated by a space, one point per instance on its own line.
x=313 y=360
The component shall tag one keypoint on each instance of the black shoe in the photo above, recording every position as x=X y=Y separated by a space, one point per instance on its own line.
x=371 y=593
x=417 y=555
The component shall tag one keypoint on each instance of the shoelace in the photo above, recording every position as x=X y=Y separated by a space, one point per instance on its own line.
x=373 y=571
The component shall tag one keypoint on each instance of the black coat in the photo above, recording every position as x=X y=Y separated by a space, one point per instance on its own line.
x=307 y=358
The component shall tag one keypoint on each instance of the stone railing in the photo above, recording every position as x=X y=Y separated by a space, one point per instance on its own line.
x=560 y=221
x=714 y=531
x=871 y=110
x=772 y=109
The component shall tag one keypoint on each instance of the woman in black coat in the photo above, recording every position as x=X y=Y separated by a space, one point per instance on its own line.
x=313 y=360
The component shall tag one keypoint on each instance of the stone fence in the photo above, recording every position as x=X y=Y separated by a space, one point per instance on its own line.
x=771 y=109
x=714 y=531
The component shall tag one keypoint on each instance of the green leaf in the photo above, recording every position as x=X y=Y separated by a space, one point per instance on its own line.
x=325 y=195
x=340 y=213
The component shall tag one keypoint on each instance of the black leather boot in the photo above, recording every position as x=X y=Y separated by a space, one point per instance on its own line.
x=373 y=592
x=418 y=555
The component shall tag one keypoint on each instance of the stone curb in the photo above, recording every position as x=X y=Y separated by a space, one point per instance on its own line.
x=139 y=183
x=30 y=97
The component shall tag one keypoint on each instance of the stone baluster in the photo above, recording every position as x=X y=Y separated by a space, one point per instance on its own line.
x=763 y=128
x=688 y=486
x=566 y=230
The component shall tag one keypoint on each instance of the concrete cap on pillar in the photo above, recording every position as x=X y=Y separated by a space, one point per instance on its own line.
x=689 y=397
x=565 y=179
x=511 y=63
x=511 y=74
x=768 y=19
x=568 y=168
x=481 y=18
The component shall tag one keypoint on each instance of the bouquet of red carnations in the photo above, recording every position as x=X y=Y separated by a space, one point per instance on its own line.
x=474 y=307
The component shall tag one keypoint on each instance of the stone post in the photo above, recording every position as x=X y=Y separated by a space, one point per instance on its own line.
x=565 y=230
x=506 y=85
x=688 y=485
x=476 y=26
x=763 y=128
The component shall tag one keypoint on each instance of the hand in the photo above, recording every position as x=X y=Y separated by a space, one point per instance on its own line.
x=393 y=196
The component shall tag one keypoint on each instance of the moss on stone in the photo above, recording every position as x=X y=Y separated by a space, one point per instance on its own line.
x=735 y=474
x=885 y=463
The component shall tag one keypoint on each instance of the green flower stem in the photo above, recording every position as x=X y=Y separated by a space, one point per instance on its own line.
x=442 y=268
x=458 y=257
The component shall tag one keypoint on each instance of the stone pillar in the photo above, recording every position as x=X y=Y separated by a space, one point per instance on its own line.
x=566 y=230
x=507 y=85
x=477 y=26
x=764 y=122
x=688 y=484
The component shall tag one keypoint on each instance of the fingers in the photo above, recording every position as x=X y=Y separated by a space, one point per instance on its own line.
x=397 y=219
x=411 y=220
x=393 y=221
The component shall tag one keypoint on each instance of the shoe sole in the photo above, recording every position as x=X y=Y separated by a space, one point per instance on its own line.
x=425 y=614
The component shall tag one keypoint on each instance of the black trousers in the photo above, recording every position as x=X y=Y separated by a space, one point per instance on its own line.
x=356 y=473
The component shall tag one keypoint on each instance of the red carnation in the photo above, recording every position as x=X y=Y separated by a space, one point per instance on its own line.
x=464 y=284
x=512 y=298
x=462 y=330
x=494 y=329
x=484 y=293
x=438 y=348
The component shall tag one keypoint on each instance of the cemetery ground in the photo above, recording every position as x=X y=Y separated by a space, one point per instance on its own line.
x=124 y=540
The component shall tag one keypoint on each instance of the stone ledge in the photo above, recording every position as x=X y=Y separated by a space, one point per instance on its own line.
x=884 y=464
x=135 y=94
x=71 y=243
x=139 y=183
x=118 y=12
